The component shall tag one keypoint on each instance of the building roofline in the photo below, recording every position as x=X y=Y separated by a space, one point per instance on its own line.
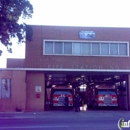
x=78 y=26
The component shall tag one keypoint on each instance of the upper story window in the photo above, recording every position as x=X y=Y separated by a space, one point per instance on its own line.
x=58 y=47
x=48 y=47
x=93 y=48
x=67 y=48
x=104 y=49
x=76 y=47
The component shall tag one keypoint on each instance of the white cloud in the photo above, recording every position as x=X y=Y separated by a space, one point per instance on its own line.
x=110 y=13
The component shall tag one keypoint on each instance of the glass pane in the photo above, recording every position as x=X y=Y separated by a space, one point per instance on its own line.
x=104 y=48
x=95 y=49
x=67 y=48
x=77 y=48
x=5 y=88
x=86 y=48
x=123 y=49
x=113 y=49
x=48 y=47
x=58 y=47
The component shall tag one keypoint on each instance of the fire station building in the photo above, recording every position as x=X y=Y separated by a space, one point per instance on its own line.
x=61 y=55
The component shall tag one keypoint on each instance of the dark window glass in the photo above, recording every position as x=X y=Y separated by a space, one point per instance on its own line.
x=95 y=49
x=123 y=49
x=86 y=48
x=67 y=48
x=58 y=48
x=113 y=49
x=104 y=48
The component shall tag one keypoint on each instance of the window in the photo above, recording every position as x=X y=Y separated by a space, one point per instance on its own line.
x=67 y=48
x=104 y=48
x=123 y=49
x=86 y=48
x=113 y=49
x=82 y=88
x=5 y=88
x=76 y=48
x=58 y=48
x=49 y=48
x=95 y=49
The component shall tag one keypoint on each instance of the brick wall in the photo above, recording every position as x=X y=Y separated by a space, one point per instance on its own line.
x=36 y=59
x=33 y=103
x=15 y=63
x=18 y=91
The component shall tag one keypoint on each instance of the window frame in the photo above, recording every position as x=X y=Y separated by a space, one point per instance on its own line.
x=90 y=42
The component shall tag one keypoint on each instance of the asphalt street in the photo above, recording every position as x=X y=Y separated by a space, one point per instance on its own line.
x=62 y=120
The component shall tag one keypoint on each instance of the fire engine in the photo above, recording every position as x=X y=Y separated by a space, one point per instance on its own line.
x=58 y=94
x=102 y=95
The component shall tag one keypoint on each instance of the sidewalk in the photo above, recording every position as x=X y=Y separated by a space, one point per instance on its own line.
x=64 y=114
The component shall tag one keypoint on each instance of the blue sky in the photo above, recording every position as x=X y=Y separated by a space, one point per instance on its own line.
x=99 y=13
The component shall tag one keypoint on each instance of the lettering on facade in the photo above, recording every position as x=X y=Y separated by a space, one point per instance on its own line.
x=61 y=66
x=127 y=67
x=100 y=67
x=116 y=67
x=111 y=67
x=77 y=66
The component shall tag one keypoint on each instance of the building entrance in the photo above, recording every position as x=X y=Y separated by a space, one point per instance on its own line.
x=113 y=89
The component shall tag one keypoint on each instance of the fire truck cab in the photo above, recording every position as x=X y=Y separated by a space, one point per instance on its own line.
x=58 y=94
x=102 y=95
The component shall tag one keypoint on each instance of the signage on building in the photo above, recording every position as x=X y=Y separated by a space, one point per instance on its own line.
x=61 y=66
x=87 y=34
x=38 y=89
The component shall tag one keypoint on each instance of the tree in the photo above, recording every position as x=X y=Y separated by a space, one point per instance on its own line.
x=10 y=13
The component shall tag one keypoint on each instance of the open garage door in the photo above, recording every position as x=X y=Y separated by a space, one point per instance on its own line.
x=82 y=81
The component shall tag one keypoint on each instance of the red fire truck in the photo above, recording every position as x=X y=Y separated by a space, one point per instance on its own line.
x=102 y=95
x=58 y=94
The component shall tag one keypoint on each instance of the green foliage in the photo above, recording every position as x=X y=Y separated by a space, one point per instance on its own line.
x=10 y=12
